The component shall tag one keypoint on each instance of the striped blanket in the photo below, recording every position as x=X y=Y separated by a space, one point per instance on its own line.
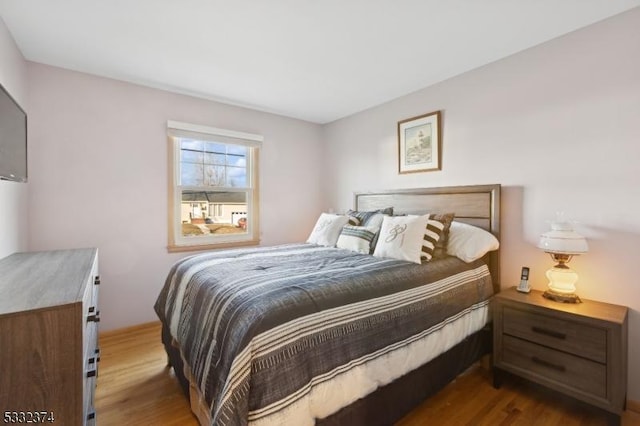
x=267 y=333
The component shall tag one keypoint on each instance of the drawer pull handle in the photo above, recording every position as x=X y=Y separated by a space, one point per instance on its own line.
x=94 y=318
x=542 y=362
x=550 y=333
x=92 y=370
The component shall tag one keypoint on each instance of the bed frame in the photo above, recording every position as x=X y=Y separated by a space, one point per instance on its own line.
x=478 y=205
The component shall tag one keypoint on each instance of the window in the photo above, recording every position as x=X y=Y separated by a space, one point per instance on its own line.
x=213 y=200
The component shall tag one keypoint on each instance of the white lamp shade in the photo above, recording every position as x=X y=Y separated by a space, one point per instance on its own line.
x=562 y=239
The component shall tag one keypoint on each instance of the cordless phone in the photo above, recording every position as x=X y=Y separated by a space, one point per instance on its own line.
x=523 y=287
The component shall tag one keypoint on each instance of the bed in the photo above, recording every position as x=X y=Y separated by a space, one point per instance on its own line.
x=307 y=334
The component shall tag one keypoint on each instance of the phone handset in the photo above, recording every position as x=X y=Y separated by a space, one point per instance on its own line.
x=524 y=287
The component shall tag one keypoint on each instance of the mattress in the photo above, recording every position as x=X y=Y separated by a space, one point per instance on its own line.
x=293 y=333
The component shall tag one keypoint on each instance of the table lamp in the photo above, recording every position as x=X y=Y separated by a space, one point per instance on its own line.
x=562 y=243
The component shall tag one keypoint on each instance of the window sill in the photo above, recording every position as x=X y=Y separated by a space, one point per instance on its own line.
x=202 y=247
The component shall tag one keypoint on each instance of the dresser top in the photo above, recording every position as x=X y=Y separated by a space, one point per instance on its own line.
x=588 y=308
x=36 y=280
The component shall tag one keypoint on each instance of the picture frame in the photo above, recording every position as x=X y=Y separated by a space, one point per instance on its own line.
x=420 y=143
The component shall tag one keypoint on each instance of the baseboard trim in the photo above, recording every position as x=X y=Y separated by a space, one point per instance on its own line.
x=130 y=329
x=633 y=406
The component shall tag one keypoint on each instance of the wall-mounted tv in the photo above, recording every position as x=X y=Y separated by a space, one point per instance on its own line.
x=13 y=139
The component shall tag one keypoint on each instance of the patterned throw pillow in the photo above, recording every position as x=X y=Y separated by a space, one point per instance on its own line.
x=356 y=238
x=401 y=237
x=371 y=218
x=443 y=242
x=432 y=233
x=353 y=221
x=327 y=229
x=366 y=216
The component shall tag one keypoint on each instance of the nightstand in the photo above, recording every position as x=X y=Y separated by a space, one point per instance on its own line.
x=577 y=349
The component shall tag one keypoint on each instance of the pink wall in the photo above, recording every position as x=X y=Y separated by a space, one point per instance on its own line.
x=13 y=196
x=99 y=177
x=557 y=125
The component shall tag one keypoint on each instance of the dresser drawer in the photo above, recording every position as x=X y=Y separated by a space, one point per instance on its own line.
x=566 y=369
x=579 y=339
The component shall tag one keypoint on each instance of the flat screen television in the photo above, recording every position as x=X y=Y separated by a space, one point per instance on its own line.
x=13 y=139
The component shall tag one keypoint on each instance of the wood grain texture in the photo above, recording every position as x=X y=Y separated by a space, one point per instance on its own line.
x=42 y=279
x=579 y=350
x=471 y=400
x=590 y=310
x=45 y=340
x=135 y=386
x=40 y=355
x=568 y=336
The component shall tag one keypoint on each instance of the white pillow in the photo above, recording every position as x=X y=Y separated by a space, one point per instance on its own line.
x=357 y=238
x=469 y=243
x=401 y=237
x=327 y=229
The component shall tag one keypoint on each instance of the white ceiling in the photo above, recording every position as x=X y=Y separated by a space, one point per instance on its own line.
x=314 y=60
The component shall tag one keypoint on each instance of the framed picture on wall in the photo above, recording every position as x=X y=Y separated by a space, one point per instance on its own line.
x=420 y=143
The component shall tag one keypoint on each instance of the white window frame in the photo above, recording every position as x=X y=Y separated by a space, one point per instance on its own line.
x=178 y=242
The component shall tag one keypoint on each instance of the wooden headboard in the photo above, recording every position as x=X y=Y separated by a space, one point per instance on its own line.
x=478 y=205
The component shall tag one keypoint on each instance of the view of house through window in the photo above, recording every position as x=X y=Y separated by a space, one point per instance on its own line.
x=217 y=211
x=214 y=189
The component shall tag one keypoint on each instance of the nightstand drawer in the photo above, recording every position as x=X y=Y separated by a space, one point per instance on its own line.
x=569 y=370
x=569 y=336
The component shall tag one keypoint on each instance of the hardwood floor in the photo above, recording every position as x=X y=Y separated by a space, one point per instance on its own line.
x=135 y=387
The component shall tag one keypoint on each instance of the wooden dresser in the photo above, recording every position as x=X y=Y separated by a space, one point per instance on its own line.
x=48 y=336
x=577 y=349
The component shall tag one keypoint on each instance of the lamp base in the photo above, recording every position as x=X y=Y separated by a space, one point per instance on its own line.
x=564 y=298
